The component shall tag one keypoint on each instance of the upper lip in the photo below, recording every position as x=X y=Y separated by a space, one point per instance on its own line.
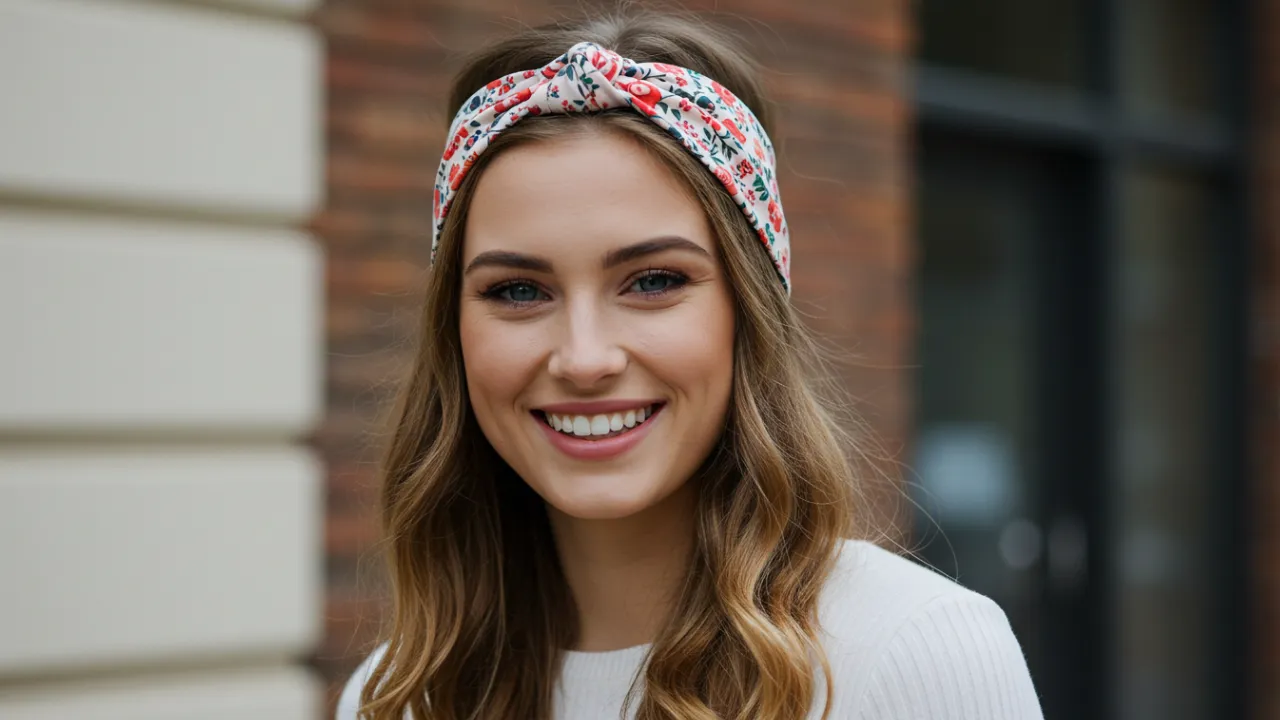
x=598 y=407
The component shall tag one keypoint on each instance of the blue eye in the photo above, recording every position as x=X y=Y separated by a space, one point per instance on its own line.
x=514 y=292
x=519 y=293
x=656 y=283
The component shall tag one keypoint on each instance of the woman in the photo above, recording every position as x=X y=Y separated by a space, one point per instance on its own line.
x=612 y=489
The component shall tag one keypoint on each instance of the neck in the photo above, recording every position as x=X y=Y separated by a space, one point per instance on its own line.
x=625 y=574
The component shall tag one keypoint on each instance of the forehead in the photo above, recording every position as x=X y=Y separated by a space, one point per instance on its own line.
x=580 y=196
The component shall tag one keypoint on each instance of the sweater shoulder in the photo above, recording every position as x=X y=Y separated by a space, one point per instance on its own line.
x=869 y=595
x=870 y=585
x=893 y=629
x=349 y=701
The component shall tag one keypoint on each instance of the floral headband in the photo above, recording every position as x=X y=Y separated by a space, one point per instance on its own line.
x=712 y=124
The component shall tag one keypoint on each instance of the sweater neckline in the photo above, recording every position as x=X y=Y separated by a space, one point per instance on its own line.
x=605 y=663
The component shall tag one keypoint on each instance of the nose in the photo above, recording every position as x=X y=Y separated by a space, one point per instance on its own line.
x=586 y=353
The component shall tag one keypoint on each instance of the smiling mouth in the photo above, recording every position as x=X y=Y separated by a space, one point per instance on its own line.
x=599 y=427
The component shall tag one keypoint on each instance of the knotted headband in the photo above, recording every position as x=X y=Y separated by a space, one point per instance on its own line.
x=712 y=124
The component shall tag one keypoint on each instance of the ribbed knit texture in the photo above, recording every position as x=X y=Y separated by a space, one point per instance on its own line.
x=904 y=643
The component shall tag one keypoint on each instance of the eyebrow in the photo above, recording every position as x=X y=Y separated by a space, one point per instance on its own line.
x=508 y=259
x=650 y=247
x=533 y=263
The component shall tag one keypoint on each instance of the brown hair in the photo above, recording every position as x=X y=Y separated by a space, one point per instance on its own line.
x=481 y=612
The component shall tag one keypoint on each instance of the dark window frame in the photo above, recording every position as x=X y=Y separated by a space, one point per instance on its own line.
x=1090 y=122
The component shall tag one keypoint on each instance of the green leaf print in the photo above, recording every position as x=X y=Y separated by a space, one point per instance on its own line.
x=760 y=188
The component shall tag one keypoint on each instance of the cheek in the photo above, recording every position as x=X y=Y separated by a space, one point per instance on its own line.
x=694 y=350
x=497 y=358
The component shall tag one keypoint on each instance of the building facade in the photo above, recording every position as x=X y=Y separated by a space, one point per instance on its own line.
x=1041 y=238
x=161 y=360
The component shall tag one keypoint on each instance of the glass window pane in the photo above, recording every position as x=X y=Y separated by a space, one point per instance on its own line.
x=1169 y=64
x=1166 y=499
x=975 y=451
x=1043 y=41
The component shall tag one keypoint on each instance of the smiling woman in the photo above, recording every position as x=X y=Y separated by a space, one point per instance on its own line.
x=613 y=488
x=619 y=305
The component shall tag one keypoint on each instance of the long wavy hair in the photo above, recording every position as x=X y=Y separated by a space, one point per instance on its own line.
x=481 y=610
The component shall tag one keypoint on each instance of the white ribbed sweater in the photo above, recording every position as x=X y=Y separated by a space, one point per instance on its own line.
x=904 y=643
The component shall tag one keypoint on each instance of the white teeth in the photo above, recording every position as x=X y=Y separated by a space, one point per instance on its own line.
x=583 y=425
x=600 y=425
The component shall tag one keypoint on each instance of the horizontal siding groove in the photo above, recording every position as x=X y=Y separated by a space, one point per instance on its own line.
x=156 y=104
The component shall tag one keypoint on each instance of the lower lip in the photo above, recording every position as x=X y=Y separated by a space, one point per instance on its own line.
x=583 y=449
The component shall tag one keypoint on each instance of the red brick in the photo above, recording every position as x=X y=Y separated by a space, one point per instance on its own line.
x=1265 y=352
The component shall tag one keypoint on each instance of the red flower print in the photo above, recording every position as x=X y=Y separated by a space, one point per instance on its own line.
x=529 y=73
x=644 y=96
x=681 y=81
x=727 y=180
x=734 y=131
x=453 y=144
x=645 y=91
x=724 y=93
x=775 y=216
x=745 y=169
x=663 y=67
x=757 y=148
x=493 y=84
x=715 y=125
x=685 y=105
x=455 y=179
x=644 y=107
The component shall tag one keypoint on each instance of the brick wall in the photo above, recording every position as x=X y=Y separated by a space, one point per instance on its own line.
x=1265 y=346
x=839 y=74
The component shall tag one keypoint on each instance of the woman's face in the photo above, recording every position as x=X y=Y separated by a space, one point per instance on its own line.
x=596 y=323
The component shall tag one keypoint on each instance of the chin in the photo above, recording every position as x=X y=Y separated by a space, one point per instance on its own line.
x=583 y=502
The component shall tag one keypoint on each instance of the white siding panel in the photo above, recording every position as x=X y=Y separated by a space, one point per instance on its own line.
x=153 y=104
x=130 y=326
x=252 y=694
x=132 y=556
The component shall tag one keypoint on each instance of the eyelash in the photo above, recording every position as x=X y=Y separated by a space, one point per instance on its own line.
x=678 y=280
x=494 y=292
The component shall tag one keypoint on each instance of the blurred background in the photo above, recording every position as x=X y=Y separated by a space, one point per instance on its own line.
x=1043 y=235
